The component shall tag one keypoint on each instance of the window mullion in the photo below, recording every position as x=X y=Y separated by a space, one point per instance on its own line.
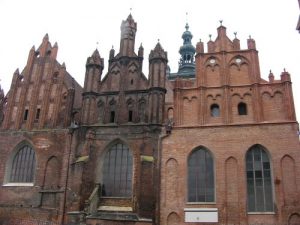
x=254 y=179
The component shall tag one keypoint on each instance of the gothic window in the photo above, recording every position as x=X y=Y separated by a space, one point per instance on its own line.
x=242 y=108
x=23 y=166
x=215 y=110
x=201 y=176
x=117 y=172
x=259 y=180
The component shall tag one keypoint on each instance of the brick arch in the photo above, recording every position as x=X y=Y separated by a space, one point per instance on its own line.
x=189 y=111
x=173 y=219
x=239 y=74
x=213 y=75
x=51 y=175
x=232 y=191
x=171 y=188
x=245 y=98
x=288 y=171
x=244 y=60
x=212 y=57
x=294 y=219
x=273 y=106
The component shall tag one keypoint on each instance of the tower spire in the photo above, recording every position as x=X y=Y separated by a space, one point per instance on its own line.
x=187 y=52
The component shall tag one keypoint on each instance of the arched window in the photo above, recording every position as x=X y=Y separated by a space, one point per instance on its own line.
x=259 y=181
x=214 y=110
x=242 y=108
x=117 y=172
x=23 y=166
x=201 y=182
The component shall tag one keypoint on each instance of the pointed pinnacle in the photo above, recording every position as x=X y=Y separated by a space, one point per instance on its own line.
x=17 y=71
x=46 y=36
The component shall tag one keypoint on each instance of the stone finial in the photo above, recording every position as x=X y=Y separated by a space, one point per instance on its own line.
x=112 y=53
x=271 y=77
x=141 y=51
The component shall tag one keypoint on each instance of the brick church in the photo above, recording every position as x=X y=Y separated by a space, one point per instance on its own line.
x=213 y=143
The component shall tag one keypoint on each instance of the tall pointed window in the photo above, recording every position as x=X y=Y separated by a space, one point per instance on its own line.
x=117 y=172
x=23 y=166
x=201 y=185
x=259 y=180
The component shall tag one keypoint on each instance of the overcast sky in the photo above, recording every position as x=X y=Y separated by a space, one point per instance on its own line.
x=77 y=27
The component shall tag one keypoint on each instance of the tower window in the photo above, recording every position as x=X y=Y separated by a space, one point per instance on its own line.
x=112 y=117
x=38 y=111
x=26 y=114
x=242 y=108
x=130 y=113
x=131 y=82
x=215 y=110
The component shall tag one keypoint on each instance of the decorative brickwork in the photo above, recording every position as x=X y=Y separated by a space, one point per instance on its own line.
x=215 y=142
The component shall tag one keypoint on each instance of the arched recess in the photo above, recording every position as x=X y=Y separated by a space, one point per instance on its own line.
x=232 y=190
x=190 y=115
x=171 y=183
x=214 y=103
x=239 y=116
x=239 y=74
x=173 y=219
x=213 y=76
x=294 y=219
x=273 y=106
x=52 y=174
x=114 y=78
x=170 y=114
x=289 y=180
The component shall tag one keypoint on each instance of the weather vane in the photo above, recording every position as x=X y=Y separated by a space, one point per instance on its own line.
x=221 y=21
x=235 y=33
x=186 y=17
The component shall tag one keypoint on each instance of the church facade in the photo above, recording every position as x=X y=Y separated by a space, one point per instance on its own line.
x=213 y=143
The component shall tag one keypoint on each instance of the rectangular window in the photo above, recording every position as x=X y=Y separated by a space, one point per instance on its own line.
x=37 y=115
x=130 y=116
x=112 y=117
x=26 y=114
